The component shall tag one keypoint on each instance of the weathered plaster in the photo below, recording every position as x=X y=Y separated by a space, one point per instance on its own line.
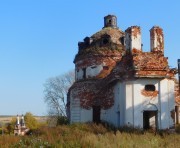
x=157 y=39
x=116 y=75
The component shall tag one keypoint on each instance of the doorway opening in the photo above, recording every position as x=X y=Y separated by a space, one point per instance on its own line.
x=96 y=114
x=150 y=120
x=177 y=119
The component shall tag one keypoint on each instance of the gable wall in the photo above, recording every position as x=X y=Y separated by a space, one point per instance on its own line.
x=143 y=102
x=163 y=102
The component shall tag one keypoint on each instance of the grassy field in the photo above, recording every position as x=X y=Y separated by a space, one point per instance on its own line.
x=91 y=135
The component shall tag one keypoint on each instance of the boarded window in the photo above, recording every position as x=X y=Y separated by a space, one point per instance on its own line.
x=150 y=87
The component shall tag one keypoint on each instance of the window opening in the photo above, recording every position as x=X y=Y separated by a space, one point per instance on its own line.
x=150 y=87
x=84 y=73
x=105 y=67
x=93 y=67
x=122 y=40
x=105 y=41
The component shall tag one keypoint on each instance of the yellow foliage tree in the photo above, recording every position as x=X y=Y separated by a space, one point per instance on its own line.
x=31 y=121
x=10 y=126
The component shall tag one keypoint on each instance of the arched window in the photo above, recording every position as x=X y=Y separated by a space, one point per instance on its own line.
x=150 y=87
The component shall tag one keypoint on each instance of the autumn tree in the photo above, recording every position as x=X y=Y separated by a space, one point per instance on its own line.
x=55 y=94
x=10 y=126
x=30 y=121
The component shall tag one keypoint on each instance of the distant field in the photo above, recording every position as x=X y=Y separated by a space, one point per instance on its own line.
x=7 y=119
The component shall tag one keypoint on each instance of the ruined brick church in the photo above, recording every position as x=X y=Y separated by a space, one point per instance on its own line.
x=118 y=83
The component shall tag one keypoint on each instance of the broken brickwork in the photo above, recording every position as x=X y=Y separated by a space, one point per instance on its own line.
x=120 y=57
x=157 y=39
x=177 y=95
x=151 y=94
x=133 y=38
x=92 y=91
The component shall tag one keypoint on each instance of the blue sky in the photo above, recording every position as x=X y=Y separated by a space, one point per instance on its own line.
x=38 y=40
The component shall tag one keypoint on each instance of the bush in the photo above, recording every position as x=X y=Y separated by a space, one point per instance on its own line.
x=62 y=120
x=178 y=128
x=31 y=142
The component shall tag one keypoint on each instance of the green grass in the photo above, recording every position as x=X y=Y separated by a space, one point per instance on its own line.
x=91 y=136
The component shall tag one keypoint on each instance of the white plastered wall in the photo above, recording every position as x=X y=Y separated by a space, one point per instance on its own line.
x=133 y=41
x=77 y=113
x=75 y=109
x=143 y=103
x=136 y=42
x=130 y=104
x=167 y=103
x=86 y=115
x=91 y=71
x=115 y=115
